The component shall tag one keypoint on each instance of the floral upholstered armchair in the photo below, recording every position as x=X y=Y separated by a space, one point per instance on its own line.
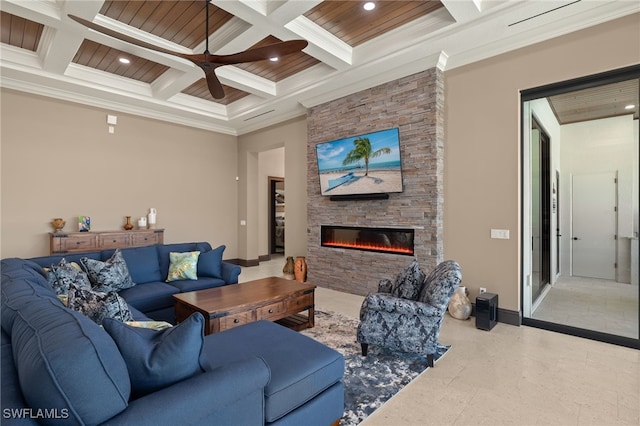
x=406 y=315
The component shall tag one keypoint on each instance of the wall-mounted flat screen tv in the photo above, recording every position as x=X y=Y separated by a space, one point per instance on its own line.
x=363 y=164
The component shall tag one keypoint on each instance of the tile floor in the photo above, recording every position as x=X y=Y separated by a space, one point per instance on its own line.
x=593 y=304
x=507 y=376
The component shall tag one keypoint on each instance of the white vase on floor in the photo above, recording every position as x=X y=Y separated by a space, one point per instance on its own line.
x=459 y=305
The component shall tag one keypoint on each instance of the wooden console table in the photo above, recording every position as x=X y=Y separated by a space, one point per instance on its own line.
x=79 y=242
x=273 y=299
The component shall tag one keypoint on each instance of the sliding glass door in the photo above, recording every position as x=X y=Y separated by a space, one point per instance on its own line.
x=580 y=252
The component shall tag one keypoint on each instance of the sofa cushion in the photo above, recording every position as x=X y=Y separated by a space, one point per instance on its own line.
x=142 y=263
x=98 y=305
x=409 y=282
x=183 y=266
x=150 y=296
x=210 y=263
x=165 y=249
x=65 y=273
x=66 y=361
x=20 y=289
x=157 y=359
x=111 y=275
x=200 y=284
x=46 y=261
x=301 y=368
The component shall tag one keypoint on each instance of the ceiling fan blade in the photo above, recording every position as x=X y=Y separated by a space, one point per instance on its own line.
x=104 y=30
x=214 y=85
x=260 y=53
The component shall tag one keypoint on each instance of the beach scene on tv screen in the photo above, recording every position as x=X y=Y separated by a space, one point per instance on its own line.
x=364 y=164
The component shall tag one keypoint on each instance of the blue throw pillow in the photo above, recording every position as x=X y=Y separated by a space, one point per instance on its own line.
x=97 y=305
x=64 y=274
x=210 y=263
x=157 y=359
x=112 y=275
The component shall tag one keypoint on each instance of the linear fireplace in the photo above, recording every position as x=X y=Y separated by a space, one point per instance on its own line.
x=385 y=240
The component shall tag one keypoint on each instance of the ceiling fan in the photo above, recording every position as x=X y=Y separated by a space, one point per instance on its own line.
x=207 y=61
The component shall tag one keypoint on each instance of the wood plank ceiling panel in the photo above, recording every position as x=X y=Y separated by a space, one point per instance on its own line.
x=348 y=21
x=200 y=89
x=20 y=32
x=182 y=22
x=596 y=103
x=105 y=58
x=281 y=69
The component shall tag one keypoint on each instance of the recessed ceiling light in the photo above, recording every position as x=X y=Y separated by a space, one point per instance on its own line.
x=274 y=59
x=369 y=5
x=124 y=60
x=630 y=106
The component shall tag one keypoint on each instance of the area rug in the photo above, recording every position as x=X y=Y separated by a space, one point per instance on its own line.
x=372 y=380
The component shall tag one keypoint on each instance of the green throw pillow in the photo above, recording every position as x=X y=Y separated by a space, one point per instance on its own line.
x=183 y=266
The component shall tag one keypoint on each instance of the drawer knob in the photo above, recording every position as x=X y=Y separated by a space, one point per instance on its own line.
x=270 y=311
x=114 y=241
x=236 y=320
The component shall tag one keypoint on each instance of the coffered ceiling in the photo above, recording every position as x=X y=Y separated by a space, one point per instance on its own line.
x=44 y=52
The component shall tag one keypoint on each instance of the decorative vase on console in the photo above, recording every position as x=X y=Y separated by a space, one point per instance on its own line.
x=300 y=269
x=459 y=305
x=58 y=223
x=289 y=268
x=128 y=226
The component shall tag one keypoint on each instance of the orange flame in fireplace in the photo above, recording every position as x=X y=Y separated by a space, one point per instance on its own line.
x=368 y=246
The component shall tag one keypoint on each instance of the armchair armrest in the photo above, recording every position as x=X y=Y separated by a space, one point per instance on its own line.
x=230 y=272
x=387 y=303
x=232 y=394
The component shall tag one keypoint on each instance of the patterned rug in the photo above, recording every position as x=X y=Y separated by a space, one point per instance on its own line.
x=372 y=380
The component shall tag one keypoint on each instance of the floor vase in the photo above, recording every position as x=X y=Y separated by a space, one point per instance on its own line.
x=300 y=270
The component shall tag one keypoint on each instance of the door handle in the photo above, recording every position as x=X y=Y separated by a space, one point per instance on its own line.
x=575 y=238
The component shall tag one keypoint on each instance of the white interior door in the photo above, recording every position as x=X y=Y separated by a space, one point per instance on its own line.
x=593 y=209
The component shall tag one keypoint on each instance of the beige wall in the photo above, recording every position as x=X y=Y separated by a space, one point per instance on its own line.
x=482 y=149
x=292 y=135
x=58 y=160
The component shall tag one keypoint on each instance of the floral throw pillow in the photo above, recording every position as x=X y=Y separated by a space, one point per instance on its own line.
x=63 y=274
x=97 y=305
x=409 y=282
x=112 y=275
x=183 y=266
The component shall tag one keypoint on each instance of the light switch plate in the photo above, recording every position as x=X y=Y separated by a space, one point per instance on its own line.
x=501 y=234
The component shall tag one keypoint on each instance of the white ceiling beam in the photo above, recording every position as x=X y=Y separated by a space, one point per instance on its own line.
x=174 y=81
x=287 y=23
x=243 y=80
x=463 y=10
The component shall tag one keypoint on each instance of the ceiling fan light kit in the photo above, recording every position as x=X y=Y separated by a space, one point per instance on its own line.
x=206 y=61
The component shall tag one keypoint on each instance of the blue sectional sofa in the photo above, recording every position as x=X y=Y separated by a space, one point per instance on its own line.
x=149 y=267
x=60 y=367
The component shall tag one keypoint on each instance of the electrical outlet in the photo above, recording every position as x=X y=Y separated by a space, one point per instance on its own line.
x=483 y=290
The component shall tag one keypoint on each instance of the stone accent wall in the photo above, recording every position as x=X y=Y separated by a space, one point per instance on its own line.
x=414 y=104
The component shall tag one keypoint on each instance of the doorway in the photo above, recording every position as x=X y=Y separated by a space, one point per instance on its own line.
x=593 y=248
x=276 y=215
x=581 y=139
x=541 y=209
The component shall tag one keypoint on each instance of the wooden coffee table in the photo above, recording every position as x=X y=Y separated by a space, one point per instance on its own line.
x=273 y=298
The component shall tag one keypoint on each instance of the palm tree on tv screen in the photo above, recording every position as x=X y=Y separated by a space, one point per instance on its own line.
x=362 y=150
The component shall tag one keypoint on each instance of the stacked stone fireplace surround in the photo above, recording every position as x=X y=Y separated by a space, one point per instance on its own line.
x=415 y=105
